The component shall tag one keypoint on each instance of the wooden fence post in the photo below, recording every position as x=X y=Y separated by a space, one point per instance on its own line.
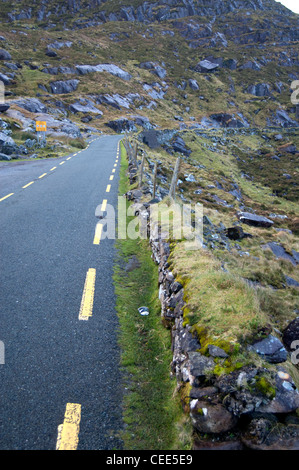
x=174 y=178
x=155 y=179
x=141 y=172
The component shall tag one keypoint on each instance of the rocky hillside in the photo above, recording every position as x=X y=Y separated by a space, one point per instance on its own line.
x=211 y=83
x=167 y=64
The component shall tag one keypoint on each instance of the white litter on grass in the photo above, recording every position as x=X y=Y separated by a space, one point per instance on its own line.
x=143 y=311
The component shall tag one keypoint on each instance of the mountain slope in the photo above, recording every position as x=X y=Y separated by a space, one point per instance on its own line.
x=210 y=83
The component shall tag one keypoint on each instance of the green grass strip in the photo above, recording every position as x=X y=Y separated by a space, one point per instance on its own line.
x=152 y=410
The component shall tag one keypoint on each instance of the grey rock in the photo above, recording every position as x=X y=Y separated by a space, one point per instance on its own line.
x=199 y=365
x=190 y=178
x=193 y=84
x=208 y=418
x=3 y=156
x=4 y=55
x=286 y=398
x=215 y=351
x=205 y=66
x=84 y=106
x=254 y=219
x=5 y=78
x=271 y=349
x=235 y=233
x=4 y=107
x=122 y=125
x=34 y=105
x=50 y=52
x=279 y=251
x=154 y=68
x=60 y=44
x=110 y=68
x=261 y=89
x=7 y=144
x=150 y=139
x=291 y=282
x=62 y=87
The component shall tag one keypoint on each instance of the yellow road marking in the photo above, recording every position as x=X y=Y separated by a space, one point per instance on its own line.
x=61 y=163
x=5 y=197
x=104 y=204
x=41 y=176
x=113 y=171
x=115 y=164
x=26 y=185
x=88 y=295
x=68 y=432
x=111 y=177
x=75 y=154
x=108 y=188
x=98 y=233
x=54 y=168
x=69 y=158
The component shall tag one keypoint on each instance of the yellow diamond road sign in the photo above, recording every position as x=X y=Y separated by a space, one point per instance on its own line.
x=41 y=126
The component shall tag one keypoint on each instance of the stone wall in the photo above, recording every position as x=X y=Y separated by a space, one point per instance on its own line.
x=252 y=407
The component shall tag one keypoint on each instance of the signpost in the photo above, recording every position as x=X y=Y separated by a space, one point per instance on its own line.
x=41 y=126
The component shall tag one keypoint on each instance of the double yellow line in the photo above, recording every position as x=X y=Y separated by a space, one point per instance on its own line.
x=68 y=432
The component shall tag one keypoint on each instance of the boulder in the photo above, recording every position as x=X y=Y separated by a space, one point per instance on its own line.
x=235 y=233
x=193 y=84
x=205 y=66
x=61 y=87
x=5 y=79
x=4 y=55
x=254 y=219
x=4 y=107
x=50 y=52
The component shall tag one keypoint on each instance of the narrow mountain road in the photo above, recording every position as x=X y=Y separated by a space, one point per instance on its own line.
x=60 y=385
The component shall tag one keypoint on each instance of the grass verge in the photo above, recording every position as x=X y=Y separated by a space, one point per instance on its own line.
x=152 y=411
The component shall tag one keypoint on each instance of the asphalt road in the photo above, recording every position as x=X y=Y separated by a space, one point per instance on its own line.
x=52 y=358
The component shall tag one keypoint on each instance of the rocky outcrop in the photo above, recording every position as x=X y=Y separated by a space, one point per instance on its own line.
x=144 y=12
x=33 y=105
x=84 y=106
x=109 y=68
x=122 y=125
